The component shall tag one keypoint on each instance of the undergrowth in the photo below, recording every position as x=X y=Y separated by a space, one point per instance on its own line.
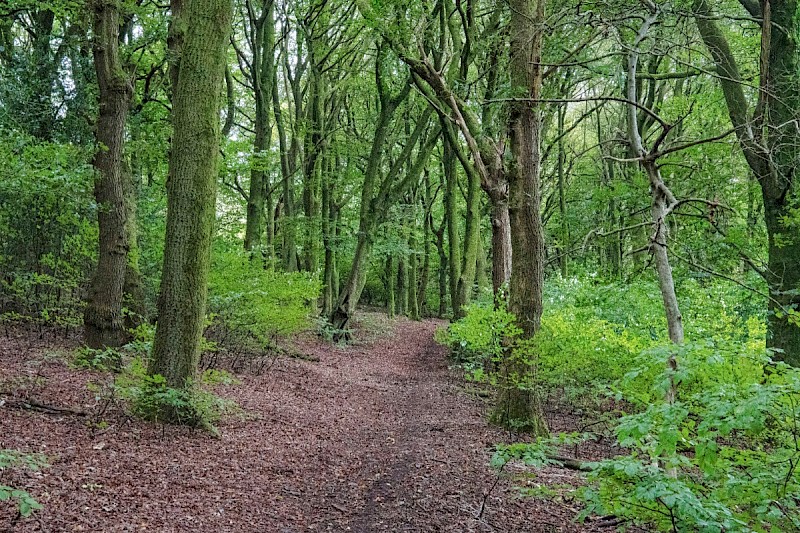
x=26 y=504
x=724 y=456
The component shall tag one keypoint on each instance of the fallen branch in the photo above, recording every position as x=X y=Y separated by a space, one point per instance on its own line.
x=31 y=405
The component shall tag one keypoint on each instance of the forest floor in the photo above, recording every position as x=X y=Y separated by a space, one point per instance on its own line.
x=378 y=435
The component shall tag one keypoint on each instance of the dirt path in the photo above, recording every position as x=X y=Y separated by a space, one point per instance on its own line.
x=373 y=437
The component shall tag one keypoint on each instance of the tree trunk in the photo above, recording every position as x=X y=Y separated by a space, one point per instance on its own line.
x=412 y=309
x=501 y=241
x=520 y=406
x=197 y=40
x=104 y=323
x=287 y=223
x=262 y=73
x=466 y=278
x=563 y=256
x=453 y=234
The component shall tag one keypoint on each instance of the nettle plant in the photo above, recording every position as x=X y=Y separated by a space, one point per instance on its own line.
x=725 y=456
x=26 y=504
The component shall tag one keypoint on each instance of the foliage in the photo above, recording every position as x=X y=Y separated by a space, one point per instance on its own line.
x=481 y=336
x=732 y=439
x=26 y=504
x=47 y=220
x=256 y=305
x=192 y=406
x=731 y=436
x=93 y=359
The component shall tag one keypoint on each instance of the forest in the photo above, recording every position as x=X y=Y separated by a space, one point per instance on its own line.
x=389 y=265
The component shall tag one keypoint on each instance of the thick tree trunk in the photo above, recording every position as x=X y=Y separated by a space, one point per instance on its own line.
x=104 y=324
x=198 y=39
x=783 y=278
x=520 y=406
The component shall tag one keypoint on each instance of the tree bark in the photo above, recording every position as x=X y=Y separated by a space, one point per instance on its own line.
x=262 y=73
x=520 y=406
x=104 y=324
x=197 y=40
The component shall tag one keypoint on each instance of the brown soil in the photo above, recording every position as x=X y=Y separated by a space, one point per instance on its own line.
x=376 y=436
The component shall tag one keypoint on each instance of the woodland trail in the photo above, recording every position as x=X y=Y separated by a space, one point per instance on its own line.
x=376 y=436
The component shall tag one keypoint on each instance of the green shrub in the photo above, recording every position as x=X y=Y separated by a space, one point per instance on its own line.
x=48 y=227
x=104 y=360
x=732 y=441
x=255 y=306
x=149 y=397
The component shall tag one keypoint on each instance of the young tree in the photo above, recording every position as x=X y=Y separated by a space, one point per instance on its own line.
x=198 y=39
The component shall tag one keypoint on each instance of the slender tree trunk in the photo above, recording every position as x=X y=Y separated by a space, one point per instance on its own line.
x=328 y=235
x=466 y=278
x=562 y=197
x=501 y=240
x=444 y=267
x=263 y=72
x=391 y=282
x=453 y=234
x=427 y=233
x=287 y=223
x=198 y=40
x=413 y=280
x=104 y=323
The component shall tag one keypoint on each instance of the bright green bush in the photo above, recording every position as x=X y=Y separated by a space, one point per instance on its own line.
x=732 y=440
x=723 y=457
x=255 y=306
x=481 y=336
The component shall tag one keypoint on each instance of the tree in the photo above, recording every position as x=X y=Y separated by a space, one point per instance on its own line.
x=103 y=319
x=198 y=38
x=769 y=138
x=520 y=406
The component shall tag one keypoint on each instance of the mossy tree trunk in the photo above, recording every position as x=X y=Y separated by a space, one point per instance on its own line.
x=104 y=323
x=262 y=71
x=198 y=41
x=519 y=405
x=451 y=213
